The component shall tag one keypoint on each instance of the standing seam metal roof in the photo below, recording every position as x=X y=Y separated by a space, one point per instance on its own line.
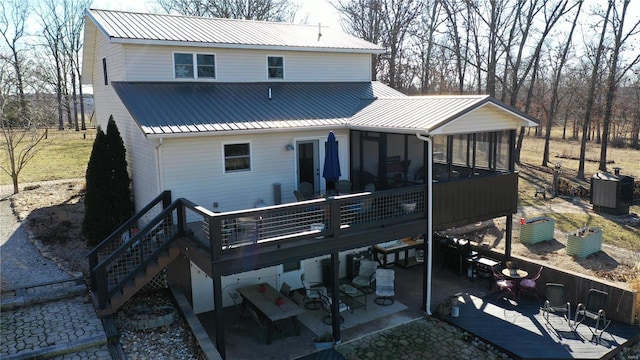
x=415 y=112
x=170 y=108
x=190 y=30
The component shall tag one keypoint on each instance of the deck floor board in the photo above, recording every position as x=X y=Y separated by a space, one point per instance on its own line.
x=520 y=329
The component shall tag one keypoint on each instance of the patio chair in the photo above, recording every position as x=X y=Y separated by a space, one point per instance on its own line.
x=327 y=303
x=505 y=287
x=306 y=189
x=556 y=303
x=298 y=195
x=312 y=293
x=366 y=275
x=285 y=289
x=343 y=187
x=593 y=310
x=385 y=286
x=242 y=310
x=528 y=286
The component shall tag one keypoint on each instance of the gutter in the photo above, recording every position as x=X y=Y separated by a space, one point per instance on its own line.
x=425 y=137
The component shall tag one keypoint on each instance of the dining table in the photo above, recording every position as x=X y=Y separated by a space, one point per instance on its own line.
x=516 y=275
x=272 y=304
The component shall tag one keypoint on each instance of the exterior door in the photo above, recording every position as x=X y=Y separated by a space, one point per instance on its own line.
x=308 y=163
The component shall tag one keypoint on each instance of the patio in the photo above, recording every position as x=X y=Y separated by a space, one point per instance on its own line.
x=518 y=330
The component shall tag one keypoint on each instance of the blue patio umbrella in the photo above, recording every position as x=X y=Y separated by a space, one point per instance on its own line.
x=331 y=170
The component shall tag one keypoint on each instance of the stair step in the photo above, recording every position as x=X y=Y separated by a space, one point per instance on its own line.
x=139 y=281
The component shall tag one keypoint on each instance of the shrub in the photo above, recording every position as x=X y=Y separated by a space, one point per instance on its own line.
x=107 y=200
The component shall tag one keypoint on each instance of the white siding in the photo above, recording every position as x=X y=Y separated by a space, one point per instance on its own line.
x=482 y=120
x=193 y=169
x=141 y=156
x=155 y=63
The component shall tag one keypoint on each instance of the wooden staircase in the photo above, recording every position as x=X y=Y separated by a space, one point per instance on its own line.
x=140 y=280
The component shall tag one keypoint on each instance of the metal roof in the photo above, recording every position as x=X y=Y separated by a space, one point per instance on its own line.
x=425 y=113
x=172 y=108
x=131 y=27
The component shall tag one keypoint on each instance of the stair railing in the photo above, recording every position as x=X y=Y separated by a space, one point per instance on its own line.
x=116 y=260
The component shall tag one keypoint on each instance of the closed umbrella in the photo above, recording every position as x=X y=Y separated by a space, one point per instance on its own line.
x=331 y=170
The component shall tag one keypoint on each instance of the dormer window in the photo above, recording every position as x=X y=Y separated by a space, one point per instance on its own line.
x=275 y=67
x=194 y=66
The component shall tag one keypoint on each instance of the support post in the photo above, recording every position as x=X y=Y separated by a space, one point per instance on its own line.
x=217 y=303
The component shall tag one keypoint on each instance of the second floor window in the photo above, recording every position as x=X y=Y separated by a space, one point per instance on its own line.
x=194 y=66
x=275 y=67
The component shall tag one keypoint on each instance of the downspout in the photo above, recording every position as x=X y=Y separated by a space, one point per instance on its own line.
x=425 y=137
x=159 y=166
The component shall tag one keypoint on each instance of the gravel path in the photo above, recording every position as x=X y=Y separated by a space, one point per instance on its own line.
x=21 y=263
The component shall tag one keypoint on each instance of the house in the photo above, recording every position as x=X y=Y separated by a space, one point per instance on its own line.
x=230 y=116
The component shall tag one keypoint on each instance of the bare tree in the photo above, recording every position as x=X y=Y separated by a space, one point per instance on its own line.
x=552 y=13
x=592 y=90
x=362 y=18
x=388 y=22
x=621 y=36
x=269 y=10
x=12 y=27
x=52 y=30
x=22 y=135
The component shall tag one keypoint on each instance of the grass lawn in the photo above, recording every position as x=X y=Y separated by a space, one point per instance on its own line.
x=63 y=155
x=533 y=175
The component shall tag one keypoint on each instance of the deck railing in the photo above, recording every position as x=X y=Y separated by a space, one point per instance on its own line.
x=115 y=262
x=328 y=216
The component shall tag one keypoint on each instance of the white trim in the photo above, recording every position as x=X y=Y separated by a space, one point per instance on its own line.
x=283 y=68
x=251 y=158
x=194 y=63
x=243 y=46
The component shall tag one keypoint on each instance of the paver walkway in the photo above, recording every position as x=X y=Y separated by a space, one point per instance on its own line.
x=44 y=310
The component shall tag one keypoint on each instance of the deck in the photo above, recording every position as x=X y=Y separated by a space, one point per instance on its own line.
x=520 y=329
x=515 y=329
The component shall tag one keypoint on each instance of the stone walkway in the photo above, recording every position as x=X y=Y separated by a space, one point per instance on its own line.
x=45 y=312
x=420 y=339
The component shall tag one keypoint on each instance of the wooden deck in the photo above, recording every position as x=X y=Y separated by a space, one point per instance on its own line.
x=520 y=329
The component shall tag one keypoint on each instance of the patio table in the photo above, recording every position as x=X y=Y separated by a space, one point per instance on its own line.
x=394 y=248
x=263 y=298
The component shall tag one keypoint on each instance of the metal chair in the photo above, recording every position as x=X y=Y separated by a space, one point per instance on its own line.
x=343 y=186
x=385 y=286
x=327 y=303
x=306 y=189
x=505 y=287
x=593 y=309
x=366 y=275
x=312 y=293
x=556 y=303
x=299 y=196
x=528 y=286
x=285 y=289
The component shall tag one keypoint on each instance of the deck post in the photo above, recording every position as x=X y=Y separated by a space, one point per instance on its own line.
x=335 y=303
x=217 y=303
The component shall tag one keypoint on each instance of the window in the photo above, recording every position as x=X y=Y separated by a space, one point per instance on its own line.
x=194 y=66
x=275 y=67
x=291 y=266
x=237 y=157
x=104 y=71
